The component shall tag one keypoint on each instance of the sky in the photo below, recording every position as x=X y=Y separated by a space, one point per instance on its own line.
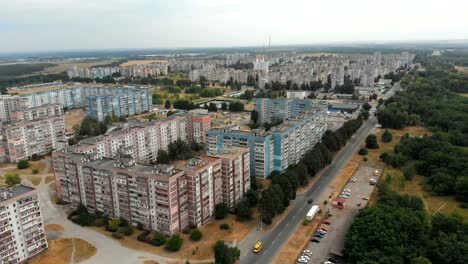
x=48 y=25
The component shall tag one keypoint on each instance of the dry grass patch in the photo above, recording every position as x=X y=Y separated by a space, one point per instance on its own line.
x=60 y=251
x=49 y=179
x=55 y=227
x=38 y=164
x=35 y=180
x=194 y=250
x=141 y=62
x=73 y=118
x=462 y=69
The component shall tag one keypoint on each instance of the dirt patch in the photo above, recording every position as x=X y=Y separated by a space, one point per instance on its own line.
x=60 y=251
x=200 y=250
x=55 y=227
x=36 y=180
x=49 y=179
x=40 y=165
x=141 y=62
x=66 y=64
x=74 y=117
x=462 y=69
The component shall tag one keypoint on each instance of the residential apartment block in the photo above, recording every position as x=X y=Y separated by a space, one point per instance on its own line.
x=99 y=101
x=21 y=228
x=270 y=110
x=143 y=140
x=278 y=148
x=165 y=198
x=10 y=104
x=37 y=130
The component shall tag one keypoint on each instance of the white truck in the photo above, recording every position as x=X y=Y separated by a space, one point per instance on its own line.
x=312 y=212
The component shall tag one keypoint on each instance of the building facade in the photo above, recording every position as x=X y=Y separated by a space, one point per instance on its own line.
x=270 y=110
x=22 y=233
x=10 y=104
x=165 y=198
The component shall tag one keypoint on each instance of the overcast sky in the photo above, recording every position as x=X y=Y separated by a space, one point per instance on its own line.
x=45 y=25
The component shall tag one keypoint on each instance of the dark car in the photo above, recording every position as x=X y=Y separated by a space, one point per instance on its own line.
x=316 y=239
x=310 y=201
x=319 y=235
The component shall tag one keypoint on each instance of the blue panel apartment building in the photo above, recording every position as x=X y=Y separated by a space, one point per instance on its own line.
x=280 y=109
x=278 y=148
x=99 y=101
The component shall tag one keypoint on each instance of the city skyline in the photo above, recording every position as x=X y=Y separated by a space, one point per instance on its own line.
x=49 y=25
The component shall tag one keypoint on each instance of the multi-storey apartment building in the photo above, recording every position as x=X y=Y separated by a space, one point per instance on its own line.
x=35 y=113
x=203 y=188
x=21 y=140
x=21 y=228
x=10 y=104
x=99 y=101
x=198 y=125
x=280 y=109
x=165 y=198
x=235 y=174
x=278 y=148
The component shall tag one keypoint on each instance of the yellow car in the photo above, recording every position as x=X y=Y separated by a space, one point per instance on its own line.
x=258 y=246
x=376 y=173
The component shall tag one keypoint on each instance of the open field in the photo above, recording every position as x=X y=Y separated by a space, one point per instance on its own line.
x=55 y=87
x=74 y=117
x=198 y=250
x=62 y=250
x=465 y=94
x=462 y=69
x=319 y=54
x=55 y=227
x=41 y=165
x=66 y=64
x=141 y=62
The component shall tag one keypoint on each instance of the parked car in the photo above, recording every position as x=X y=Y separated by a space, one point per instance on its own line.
x=327 y=222
x=310 y=201
x=319 y=235
x=316 y=239
x=365 y=198
x=323 y=228
x=347 y=190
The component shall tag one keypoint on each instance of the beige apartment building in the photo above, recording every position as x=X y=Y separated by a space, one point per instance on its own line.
x=21 y=228
x=166 y=198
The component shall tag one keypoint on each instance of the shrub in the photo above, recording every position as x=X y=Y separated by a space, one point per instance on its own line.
x=364 y=158
x=12 y=179
x=22 y=164
x=174 y=243
x=371 y=142
x=113 y=224
x=387 y=136
x=143 y=236
x=409 y=172
x=117 y=235
x=196 y=235
x=363 y=151
x=159 y=239
x=224 y=226
x=35 y=171
x=221 y=211
x=126 y=230
x=305 y=222
x=100 y=221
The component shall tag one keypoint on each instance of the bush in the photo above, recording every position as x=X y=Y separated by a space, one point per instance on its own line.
x=117 y=235
x=100 y=221
x=409 y=172
x=174 y=243
x=224 y=226
x=305 y=222
x=363 y=151
x=365 y=158
x=126 y=230
x=143 y=236
x=371 y=142
x=221 y=211
x=35 y=171
x=387 y=136
x=22 y=164
x=12 y=179
x=113 y=224
x=159 y=239
x=196 y=235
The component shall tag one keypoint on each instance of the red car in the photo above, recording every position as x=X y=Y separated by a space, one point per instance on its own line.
x=327 y=222
x=324 y=229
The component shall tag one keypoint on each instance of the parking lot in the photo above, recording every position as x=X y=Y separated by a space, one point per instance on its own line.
x=333 y=241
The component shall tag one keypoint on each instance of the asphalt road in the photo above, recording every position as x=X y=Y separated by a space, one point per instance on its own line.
x=274 y=240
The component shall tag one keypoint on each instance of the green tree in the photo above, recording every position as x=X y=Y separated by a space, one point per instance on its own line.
x=12 y=179
x=254 y=116
x=174 y=243
x=236 y=106
x=167 y=104
x=113 y=224
x=224 y=106
x=365 y=114
x=387 y=136
x=163 y=157
x=363 y=151
x=159 y=239
x=409 y=172
x=23 y=164
x=225 y=254
x=371 y=142
x=252 y=197
x=212 y=107
x=366 y=106
x=243 y=210
x=196 y=235
x=221 y=211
